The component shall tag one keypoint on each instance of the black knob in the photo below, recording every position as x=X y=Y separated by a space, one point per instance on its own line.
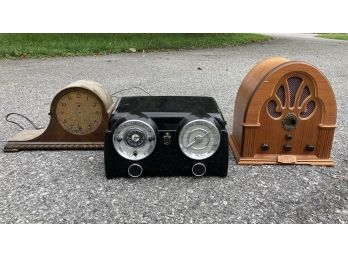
x=198 y=169
x=264 y=147
x=310 y=148
x=287 y=147
x=135 y=170
x=288 y=137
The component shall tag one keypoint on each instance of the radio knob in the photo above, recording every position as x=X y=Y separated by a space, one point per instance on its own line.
x=198 y=169
x=288 y=137
x=310 y=148
x=287 y=147
x=135 y=170
x=264 y=147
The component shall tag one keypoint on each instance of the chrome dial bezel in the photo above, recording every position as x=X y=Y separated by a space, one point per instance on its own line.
x=194 y=150
x=126 y=150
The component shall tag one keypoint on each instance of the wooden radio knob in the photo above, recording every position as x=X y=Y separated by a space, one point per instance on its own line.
x=264 y=147
x=310 y=148
x=287 y=147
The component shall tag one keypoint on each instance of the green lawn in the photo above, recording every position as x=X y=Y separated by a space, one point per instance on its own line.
x=47 y=45
x=334 y=36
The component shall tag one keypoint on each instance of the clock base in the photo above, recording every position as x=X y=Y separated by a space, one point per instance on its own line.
x=30 y=140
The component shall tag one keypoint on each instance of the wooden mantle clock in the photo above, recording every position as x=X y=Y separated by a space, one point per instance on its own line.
x=79 y=115
x=285 y=112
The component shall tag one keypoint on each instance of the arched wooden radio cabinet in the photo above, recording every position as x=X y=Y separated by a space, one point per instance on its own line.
x=285 y=112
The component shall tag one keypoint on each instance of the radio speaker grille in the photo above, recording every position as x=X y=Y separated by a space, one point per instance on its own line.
x=271 y=107
x=304 y=95
x=309 y=110
x=281 y=94
x=293 y=83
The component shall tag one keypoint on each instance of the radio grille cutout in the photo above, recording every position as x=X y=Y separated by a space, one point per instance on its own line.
x=304 y=95
x=281 y=94
x=293 y=83
x=271 y=107
x=309 y=110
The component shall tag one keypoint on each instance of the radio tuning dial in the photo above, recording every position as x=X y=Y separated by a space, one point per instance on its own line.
x=134 y=139
x=199 y=139
x=290 y=121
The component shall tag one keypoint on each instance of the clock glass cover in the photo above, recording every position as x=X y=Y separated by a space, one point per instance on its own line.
x=79 y=112
x=134 y=139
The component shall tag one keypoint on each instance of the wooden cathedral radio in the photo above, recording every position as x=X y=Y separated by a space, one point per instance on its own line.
x=285 y=112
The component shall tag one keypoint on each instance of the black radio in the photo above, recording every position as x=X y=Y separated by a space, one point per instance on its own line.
x=166 y=136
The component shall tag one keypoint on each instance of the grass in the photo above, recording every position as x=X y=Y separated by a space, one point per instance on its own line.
x=334 y=36
x=48 y=45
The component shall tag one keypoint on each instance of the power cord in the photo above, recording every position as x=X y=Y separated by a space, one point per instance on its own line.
x=126 y=89
x=23 y=116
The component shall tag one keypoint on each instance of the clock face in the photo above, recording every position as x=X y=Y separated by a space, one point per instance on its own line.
x=79 y=112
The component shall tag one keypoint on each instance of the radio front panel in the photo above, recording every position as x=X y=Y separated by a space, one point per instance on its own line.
x=160 y=141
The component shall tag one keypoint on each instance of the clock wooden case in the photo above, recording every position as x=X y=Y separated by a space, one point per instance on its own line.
x=79 y=116
x=285 y=112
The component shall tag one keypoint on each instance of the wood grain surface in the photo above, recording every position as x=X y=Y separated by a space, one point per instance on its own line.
x=79 y=115
x=275 y=94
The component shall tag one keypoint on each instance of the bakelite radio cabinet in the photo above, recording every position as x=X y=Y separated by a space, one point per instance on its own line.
x=285 y=112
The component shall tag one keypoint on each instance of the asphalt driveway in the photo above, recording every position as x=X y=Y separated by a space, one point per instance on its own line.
x=70 y=186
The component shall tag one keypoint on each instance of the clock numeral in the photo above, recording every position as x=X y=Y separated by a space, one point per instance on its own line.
x=69 y=97
x=78 y=95
x=63 y=104
x=95 y=104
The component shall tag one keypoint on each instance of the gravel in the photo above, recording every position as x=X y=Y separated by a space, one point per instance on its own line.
x=70 y=186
